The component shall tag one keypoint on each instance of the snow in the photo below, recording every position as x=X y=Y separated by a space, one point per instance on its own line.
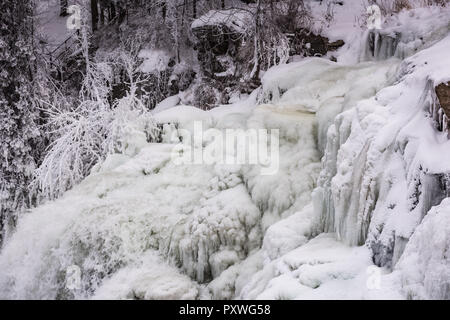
x=290 y=233
x=375 y=158
x=324 y=87
x=380 y=176
x=96 y=213
x=50 y=25
x=167 y=104
x=151 y=279
x=406 y=33
x=184 y=117
x=345 y=22
x=142 y=226
x=424 y=266
x=154 y=60
x=201 y=220
x=356 y=210
x=286 y=192
x=323 y=268
x=236 y=19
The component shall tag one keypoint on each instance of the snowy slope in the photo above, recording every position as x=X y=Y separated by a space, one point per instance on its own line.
x=201 y=219
x=380 y=177
x=357 y=209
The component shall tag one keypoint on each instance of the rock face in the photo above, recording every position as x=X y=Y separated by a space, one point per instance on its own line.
x=439 y=105
x=156 y=85
x=224 y=56
x=214 y=42
x=306 y=43
x=443 y=95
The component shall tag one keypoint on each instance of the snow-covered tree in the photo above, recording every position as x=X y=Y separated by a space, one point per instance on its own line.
x=84 y=133
x=19 y=133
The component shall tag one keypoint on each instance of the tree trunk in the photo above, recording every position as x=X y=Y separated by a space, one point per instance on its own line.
x=102 y=11
x=164 y=10
x=122 y=14
x=183 y=13
x=63 y=6
x=112 y=10
x=257 y=67
x=94 y=14
x=194 y=9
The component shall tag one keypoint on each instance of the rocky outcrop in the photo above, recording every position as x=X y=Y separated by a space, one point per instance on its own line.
x=219 y=47
x=439 y=106
x=308 y=44
x=443 y=95
x=214 y=42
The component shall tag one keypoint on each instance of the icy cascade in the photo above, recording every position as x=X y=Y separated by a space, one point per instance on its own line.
x=406 y=33
x=424 y=266
x=321 y=90
x=324 y=88
x=385 y=165
x=141 y=226
x=142 y=212
x=200 y=218
x=384 y=168
x=379 y=45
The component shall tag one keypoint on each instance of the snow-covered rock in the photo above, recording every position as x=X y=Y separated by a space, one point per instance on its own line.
x=380 y=175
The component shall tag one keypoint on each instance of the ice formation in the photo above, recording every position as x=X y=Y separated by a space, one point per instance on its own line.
x=424 y=266
x=406 y=33
x=383 y=174
x=359 y=196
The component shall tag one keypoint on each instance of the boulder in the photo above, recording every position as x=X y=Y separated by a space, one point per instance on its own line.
x=306 y=43
x=214 y=41
x=443 y=95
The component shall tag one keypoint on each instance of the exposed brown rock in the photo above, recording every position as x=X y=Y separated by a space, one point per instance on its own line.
x=443 y=94
x=333 y=46
x=306 y=43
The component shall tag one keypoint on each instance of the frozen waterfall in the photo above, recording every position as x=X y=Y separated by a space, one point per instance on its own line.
x=362 y=182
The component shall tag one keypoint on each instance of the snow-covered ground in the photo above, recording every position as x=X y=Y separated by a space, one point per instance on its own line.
x=51 y=26
x=359 y=182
